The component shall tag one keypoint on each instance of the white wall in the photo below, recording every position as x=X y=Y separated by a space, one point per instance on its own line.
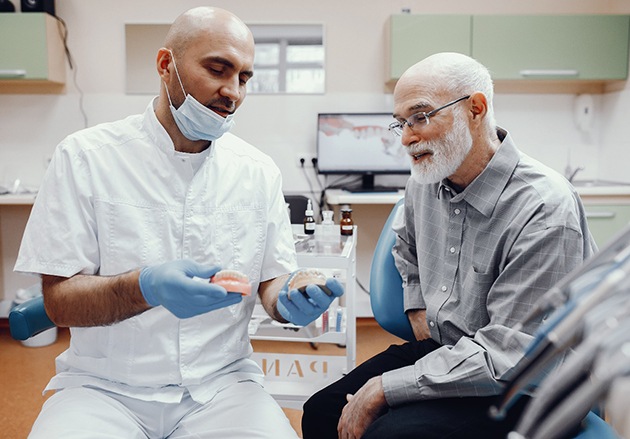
x=541 y=124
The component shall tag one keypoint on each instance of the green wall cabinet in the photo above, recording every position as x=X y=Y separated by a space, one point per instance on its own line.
x=414 y=37
x=518 y=47
x=584 y=47
x=606 y=220
x=31 y=49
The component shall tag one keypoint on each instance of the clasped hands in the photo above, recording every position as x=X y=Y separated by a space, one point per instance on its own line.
x=171 y=285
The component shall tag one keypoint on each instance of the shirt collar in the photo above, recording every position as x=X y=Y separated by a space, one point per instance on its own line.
x=156 y=131
x=159 y=135
x=484 y=191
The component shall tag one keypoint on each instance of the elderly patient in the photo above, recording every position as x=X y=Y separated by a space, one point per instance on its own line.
x=486 y=231
x=129 y=213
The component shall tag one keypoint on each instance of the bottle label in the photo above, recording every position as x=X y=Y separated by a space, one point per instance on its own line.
x=346 y=227
x=309 y=226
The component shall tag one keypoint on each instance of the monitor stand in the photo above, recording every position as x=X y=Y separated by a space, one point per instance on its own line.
x=367 y=185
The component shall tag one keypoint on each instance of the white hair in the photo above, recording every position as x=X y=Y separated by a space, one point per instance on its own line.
x=461 y=75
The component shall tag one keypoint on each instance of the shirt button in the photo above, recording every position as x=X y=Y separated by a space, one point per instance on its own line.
x=457 y=211
x=452 y=249
x=431 y=324
x=444 y=288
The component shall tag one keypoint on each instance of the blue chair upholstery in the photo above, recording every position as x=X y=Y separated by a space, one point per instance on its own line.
x=594 y=427
x=386 y=297
x=386 y=291
x=28 y=319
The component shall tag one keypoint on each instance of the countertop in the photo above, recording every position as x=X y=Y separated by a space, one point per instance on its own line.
x=341 y=197
x=586 y=189
x=17 y=199
x=603 y=190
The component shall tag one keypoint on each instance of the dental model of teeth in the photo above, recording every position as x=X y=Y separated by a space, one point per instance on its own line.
x=233 y=281
x=300 y=279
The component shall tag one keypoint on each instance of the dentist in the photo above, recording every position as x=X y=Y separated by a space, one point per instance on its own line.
x=128 y=214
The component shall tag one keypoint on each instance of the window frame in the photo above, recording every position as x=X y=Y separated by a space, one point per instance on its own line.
x=285 y=36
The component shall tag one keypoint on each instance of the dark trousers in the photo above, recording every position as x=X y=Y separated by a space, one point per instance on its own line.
x=436 y=418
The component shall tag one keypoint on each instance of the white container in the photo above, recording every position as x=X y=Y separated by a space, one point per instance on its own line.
x=44 y=338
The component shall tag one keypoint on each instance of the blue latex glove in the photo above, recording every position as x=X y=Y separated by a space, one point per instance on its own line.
x=171 y=285
x=302 y=310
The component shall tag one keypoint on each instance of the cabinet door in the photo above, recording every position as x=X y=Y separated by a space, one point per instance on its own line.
x=605 y=221
x=414 y=37
x=31 y=48
x=585 y=47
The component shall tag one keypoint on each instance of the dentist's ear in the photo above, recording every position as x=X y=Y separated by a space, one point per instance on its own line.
x=164 y=58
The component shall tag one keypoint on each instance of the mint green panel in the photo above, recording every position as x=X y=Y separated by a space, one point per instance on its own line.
x=414 y=37
x=586 y=47
x=23 y=44
x=605 y=221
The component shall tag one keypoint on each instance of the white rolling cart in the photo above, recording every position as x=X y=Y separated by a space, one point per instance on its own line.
x=292 y=378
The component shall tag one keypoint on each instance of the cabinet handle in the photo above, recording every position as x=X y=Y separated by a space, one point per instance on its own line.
x=15 y=73
x=549 y=72
x=600 y=214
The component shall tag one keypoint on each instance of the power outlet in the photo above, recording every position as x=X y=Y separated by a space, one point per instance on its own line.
x=305 y=160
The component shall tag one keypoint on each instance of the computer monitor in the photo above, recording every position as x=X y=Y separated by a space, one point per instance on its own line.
x=359 y=143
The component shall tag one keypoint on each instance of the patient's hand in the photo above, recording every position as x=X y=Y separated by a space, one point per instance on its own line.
x=362 y=409
x=418 y=320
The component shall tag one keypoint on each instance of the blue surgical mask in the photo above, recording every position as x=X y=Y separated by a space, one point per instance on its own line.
x=195 y=120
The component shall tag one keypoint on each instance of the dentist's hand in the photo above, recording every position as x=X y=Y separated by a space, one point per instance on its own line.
x=171 y=285
x=301 y=309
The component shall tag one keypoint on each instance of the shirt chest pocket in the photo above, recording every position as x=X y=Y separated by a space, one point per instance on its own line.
x=236 y=240
x=132 y=236
x=475 y=288
x=137 y=235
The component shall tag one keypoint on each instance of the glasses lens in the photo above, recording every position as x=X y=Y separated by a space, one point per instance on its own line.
x=396 y=128
x=418 y=118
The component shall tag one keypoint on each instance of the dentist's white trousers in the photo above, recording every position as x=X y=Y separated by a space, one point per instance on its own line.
x=243 y=410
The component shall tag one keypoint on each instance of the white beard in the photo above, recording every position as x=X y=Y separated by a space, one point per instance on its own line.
x=448 y=153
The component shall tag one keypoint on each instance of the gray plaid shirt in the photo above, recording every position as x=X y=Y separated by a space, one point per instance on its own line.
x=477 y=261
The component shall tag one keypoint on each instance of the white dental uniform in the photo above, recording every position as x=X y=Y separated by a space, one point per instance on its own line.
x=117 y=197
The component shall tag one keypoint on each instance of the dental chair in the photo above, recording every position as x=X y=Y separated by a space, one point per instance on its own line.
x=297 y=206
x=29 y=319
x=386 y=297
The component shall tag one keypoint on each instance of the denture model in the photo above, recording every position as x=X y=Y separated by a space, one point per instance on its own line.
x=233 y=281
x=302 y=278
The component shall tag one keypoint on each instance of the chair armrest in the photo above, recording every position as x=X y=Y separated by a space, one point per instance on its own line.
x=29 y=318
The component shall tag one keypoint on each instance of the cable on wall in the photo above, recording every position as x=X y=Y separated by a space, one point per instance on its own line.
x=63 y=30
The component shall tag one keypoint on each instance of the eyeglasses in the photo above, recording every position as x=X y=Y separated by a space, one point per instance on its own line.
x=418 y=118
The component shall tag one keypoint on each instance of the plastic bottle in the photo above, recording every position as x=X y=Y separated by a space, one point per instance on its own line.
x=329 y=231
x=346 y=223
x=309 y=220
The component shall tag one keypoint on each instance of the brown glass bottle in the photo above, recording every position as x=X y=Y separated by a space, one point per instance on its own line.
x=346 y=225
